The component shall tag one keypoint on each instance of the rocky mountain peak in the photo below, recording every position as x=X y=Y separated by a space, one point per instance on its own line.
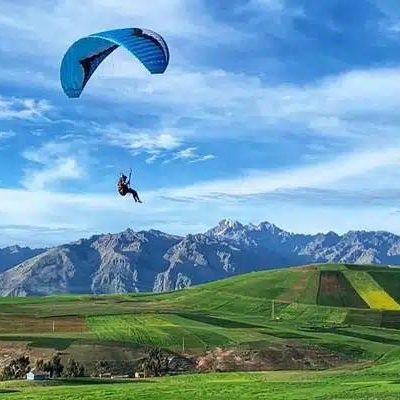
x=267 y=226
x=224 y=226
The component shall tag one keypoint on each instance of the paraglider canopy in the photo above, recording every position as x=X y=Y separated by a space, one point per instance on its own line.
x=86 y=54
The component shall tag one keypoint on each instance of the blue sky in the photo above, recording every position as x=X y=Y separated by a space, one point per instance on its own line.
x=286 y=111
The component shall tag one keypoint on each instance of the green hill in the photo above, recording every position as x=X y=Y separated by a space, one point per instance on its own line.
x=251 y=308
x=315 y=317
x=321 y=304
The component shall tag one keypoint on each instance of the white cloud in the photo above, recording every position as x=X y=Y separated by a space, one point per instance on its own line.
x=203 y=158
x=356 y=104
x=152 y=159
x=190 y=154
x=45 y=178
x=137 y=143
x=58 y=164
x=6 y=135
x=68 y=216
x=175 y=19
x=20 y=108
x=159 y=146
x=63 y=212
x=321 y=175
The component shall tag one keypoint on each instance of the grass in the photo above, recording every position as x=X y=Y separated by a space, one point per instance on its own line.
x=364 y=317
x=259 y=285
x=170 y=330
x=313 y=314
x=367 y=384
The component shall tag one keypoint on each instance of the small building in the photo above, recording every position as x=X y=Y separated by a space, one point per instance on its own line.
x=120 y=377
x=37 y=376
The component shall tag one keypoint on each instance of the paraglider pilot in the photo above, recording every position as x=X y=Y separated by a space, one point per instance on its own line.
x=124 y=189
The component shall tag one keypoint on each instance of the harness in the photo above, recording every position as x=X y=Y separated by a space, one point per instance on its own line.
x=122 y=187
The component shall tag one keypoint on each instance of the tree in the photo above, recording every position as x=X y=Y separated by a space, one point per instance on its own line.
x=54 y=367
x=155 y=363
x=16 y=369
x=39 y=365
x=102 y=367
x=74 y=369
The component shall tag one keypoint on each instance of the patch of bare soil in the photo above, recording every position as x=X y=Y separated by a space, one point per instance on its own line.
x=10 y=350
x=280 y=357
x=335 y=290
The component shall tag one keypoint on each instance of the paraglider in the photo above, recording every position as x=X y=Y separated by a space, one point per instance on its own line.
x=123 y=187
x=86 y=54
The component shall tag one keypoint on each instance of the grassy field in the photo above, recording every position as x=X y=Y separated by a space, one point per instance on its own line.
x=335 y=309
x=367 y=384
x=252 y=308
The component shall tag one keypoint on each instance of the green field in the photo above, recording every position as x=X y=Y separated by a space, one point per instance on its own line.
x=368 y=384
x=333 y=315
x=239 y=310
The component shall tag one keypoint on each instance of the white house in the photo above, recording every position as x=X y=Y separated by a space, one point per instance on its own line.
x=37 y=376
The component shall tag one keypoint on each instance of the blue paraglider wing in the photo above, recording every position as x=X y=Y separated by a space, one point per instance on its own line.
x=85 y=55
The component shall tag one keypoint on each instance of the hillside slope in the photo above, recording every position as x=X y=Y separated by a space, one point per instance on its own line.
x=315 y=309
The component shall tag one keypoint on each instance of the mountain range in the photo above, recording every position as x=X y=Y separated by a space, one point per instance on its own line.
x=155 y=261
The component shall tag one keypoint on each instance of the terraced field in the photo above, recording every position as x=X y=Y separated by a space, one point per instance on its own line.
x=254 y=310
x=173 y=330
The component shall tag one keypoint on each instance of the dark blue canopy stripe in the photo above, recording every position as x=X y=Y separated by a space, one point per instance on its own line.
x=85 y=55
x=91 y=63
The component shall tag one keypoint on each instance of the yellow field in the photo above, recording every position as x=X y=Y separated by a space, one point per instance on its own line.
x=371 y=292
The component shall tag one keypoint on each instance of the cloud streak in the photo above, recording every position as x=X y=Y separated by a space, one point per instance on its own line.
x=321 y=175
x=6 y=135
x=58 y=164
x=356 y=105
x=190 y=155
x=157 y=145
x=23 y=108
x=143 y=142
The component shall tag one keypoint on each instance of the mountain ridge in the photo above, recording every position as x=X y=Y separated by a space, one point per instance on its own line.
x=152 y=260
x=15 y=254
